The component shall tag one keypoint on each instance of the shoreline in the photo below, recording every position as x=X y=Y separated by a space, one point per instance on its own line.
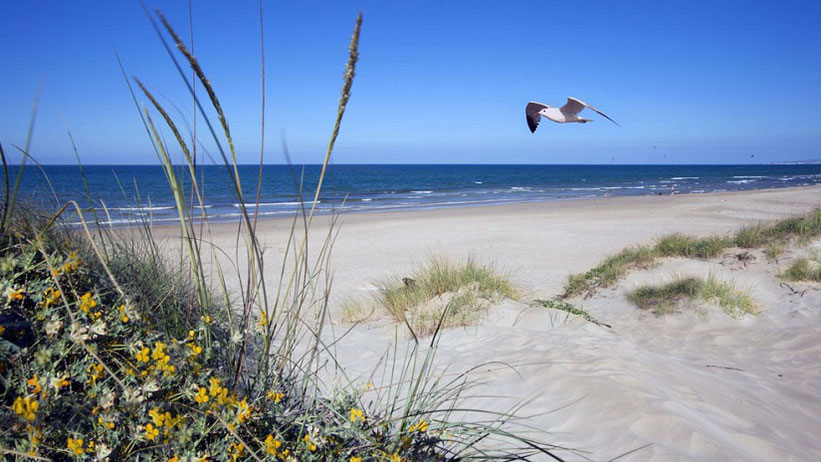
x=498 y=207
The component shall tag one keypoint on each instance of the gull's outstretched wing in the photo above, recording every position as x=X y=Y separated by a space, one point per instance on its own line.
x=575 y=106
x=532 y=113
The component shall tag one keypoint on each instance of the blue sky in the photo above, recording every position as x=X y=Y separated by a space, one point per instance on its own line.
x=702 y=81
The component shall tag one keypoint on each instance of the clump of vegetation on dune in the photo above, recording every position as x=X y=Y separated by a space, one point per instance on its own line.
x=774 y=236
x=570 y=309
x=112 y=349
x=803 y=270
x=609 y=271
x=680 y=245
x=444 y=294
x=666 y=298
x=801 y=228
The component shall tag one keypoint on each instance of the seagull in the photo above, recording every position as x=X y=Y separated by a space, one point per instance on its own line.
x=565 y=114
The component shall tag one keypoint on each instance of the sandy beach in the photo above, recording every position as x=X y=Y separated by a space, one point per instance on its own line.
x=690 y=386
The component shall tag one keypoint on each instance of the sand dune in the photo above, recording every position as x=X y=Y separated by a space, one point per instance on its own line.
x=697 y=385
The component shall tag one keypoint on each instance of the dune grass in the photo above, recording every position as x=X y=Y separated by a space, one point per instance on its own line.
x=444 y=294
x=563 y=305
x=609 y=271
x=774 y=250
x=681 y=245
x=666 y=298
x=616 y=267
x=801 y=228
x=803 y=270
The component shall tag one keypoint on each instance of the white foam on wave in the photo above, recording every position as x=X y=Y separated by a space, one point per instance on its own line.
x=422 y=192
x=143 y=209
x=684 y=178
x=275 y=204
x=740 y=181
x=748 y=176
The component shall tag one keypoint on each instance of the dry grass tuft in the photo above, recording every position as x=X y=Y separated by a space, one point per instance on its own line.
x=444 y=294
x=667 y=298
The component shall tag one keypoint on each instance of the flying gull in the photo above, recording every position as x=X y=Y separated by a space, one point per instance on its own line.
x=565 y=114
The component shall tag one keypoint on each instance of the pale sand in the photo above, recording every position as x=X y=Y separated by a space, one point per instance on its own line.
x=644 y=381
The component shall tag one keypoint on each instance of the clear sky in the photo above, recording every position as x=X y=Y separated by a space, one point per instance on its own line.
x=438 y=81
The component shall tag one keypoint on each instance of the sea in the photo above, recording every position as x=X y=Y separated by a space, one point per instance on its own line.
x=127 y=194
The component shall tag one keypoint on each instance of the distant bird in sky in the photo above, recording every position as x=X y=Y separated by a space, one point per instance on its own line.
x=565 y=114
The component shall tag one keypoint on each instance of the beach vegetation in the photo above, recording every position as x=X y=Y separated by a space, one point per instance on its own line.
x=682 y=245
x=355 y=311
x=667 y=298
x=444 y=294
x=114 y=348
x=563 y=305
x=613 y=268
x=609 y=271
x=774 y=250
x=803 y=270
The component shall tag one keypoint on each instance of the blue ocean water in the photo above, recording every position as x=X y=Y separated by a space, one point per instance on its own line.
x=134 y=192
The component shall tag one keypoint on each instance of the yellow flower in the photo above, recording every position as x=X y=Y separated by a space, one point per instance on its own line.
x=26 y=407
x=14 y=294
x=142 y=355
x=52 y=297
x=263 y=320
x=151 y=432
x=310 y=444
x=201 y=396
x=35 y=382
x=156 y=416
x=272 y=444
x=395 y=457
x=176 y=458
x=357 y=414
x=243 y=411
x=195 y=349
x=2 y=329
x=95 y=372
x=218 y=391
x=34 y=434
x=75 y=446
x=421 y=426
x=90 y=447
x=206 y=318
x=62 y=382
x=236 y=451
x=109 y=425
x=355 y=459
x=72 y=263
x=123 y=316
x=275 y=396
x=87 y=303
x=158 y=352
